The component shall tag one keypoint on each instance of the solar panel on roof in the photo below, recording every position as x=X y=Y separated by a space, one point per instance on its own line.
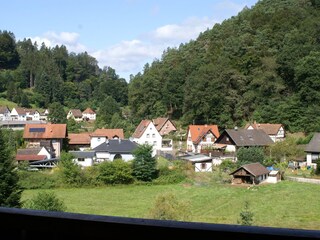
x=37 y=129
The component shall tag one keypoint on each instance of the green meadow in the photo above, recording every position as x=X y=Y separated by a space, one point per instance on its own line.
x=285 y=204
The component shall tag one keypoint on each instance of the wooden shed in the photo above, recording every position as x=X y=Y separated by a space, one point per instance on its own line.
x=253 y=173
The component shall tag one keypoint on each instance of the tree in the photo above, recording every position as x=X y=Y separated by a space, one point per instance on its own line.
x=46 y=201
x=246 y=216
x=9 y=57
x=10 y=191
x=317 y=171
x=70 y=171
x=250 y=155
x=144 y=165
x=56 y=113
x=168 y=207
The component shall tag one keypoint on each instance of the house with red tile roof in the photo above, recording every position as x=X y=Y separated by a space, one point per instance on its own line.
x=201 y=137
x=100 y=136
x=76 y=114
x=89 y=115
x=275 y=131
x=146 y=133
x=50 y=135
x=164 y=125
x=79 y=141
x=32 y=154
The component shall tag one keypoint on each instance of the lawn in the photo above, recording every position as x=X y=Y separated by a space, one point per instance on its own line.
x=286 y=204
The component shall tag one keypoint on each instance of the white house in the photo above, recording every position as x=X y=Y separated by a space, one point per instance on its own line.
x=274 y=176
x=313 y=150
x=84 y=158
x=18 y=114
x=201 y=137
x=115 y=149
x=102 y=135
x=4 y=113
x=275 y=131
x=146 y=133
x=89 y=115
x=32 y=114
x=76 y=114
x=201 y=163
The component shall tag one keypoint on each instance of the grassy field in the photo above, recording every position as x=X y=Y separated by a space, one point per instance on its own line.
x=286 y=204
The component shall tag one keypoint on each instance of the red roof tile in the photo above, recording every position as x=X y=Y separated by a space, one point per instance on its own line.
x=45 y=131
x=89 y=111
x=268 y=128
x=141 y=128
x=30 y=157
x=109 y=133
x=198 y=131
x=79 y=138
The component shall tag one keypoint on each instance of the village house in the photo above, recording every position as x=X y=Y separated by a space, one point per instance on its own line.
x=233 y=139
x=275 y=131
x=200 y=137
x=115 y=149
x=102 y=135
x=252 y=173
x=89 y=115
x=200 y=162
x=84 y=158
x=164 y=126
x=32 y=154
x=313 y=150
x=146 y=133
x=79 y=141
x=4 y=113
x=49 y=135
x=75 y=114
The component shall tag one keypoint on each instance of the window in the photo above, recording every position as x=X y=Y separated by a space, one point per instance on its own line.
x=203 y=165
x=154 y=143
x=80 y=159
x=227 y=139
x=153 y=135
x=148 y=135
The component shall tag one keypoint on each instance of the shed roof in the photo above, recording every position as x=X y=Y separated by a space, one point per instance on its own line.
x=255 y=169
x=314 y=144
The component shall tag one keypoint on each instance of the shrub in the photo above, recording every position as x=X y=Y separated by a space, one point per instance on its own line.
x=116 y=172
x=168 y=207
x=38 y=180
x=45 y=201
x=246 y=216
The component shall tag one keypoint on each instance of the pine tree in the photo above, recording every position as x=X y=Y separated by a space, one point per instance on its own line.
x=144 y=165
x=10 y=191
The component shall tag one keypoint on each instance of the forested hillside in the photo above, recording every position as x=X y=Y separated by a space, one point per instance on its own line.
x=263 y=65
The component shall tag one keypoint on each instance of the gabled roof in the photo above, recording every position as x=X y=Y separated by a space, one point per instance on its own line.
x=109 y=133
x=45 y=131
x=247 y=138
x=314 y=144
x=4 y=109
x=89 y=111
x=269 y=128
x=255 y=169
x=117 y=146
x=141 y=128
x=198 y=131
x=79 y=138
x=76 y=113
x=28 y=151
x=160 y=122
x=20 y=111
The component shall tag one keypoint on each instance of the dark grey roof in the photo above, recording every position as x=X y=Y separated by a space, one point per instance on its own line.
x=197 y=158
x=256 y=169
x=314 y=144
x=83 y=154
x=116 y=146
x=252 y=137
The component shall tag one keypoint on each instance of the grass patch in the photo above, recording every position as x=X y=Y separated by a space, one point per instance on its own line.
x=286 y=204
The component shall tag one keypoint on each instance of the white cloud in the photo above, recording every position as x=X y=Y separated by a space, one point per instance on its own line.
x=69 y=39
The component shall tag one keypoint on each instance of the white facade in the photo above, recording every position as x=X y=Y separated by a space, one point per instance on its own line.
x=14 y=115
x=90 y=116
x=207 y=141
x=84 y=162
x=34 y=116
x=5 y=116
x=44 y=151
x=152 y=137
x=106 y=156
x=95 y=141
x=203 y=167
x=312 y=158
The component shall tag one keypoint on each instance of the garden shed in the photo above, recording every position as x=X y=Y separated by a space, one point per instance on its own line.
x=252 y=173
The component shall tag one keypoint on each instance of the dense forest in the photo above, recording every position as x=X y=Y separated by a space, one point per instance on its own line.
x=263 y=65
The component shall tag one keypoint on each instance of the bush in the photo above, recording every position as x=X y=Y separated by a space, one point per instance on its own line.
x=116 y=172
x=170 y=176
x=38 y=180
x=168 y=207
x=45 y=201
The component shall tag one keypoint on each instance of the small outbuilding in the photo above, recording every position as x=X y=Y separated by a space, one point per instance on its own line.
x=274 y=176
x=252 y=173
x=201 y=162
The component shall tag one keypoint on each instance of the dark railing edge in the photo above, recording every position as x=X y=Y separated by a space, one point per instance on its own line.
x=42 y=218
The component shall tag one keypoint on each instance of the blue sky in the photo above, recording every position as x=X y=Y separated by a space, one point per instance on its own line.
x=122 y=34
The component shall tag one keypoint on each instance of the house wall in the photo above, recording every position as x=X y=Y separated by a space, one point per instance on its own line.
x=89 y=116
x=203 y=167
x=103 y=156
x=190 y=146
x=44 y=151
x=272 y=179
x=87 y=162
x=152 y=137
x=311 y=158
x=96 y=141
x=125 y=156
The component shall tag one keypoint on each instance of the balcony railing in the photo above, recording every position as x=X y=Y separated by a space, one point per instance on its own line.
x=24 y=224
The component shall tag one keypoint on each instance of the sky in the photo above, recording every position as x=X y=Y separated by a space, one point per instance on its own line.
x=121 y=34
